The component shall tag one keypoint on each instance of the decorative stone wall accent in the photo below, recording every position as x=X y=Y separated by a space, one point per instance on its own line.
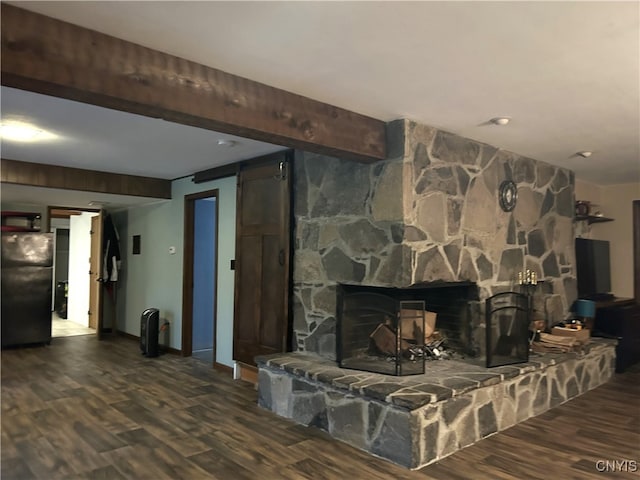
x=414 y=421
x=348 y=229
x=428 y=214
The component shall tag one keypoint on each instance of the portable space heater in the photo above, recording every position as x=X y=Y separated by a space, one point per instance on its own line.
x=149 y=325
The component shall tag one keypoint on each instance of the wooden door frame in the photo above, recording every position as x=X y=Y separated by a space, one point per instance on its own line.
x=66 y=212
x=100 y=305
x=59 y=212
x=187 y=273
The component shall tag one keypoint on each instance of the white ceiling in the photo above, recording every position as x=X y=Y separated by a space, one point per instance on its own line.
x=567 y=73
x=112 y=141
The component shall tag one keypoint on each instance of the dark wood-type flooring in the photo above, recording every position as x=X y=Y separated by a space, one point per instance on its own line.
x=80 y=408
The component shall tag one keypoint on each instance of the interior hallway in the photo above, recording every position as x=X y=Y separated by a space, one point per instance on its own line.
x=81 y=408
x=61 y=327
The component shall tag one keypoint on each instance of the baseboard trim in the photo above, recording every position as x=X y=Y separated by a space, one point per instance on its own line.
x=128 y=336
x=248 y=373
x=162 y=348
x=223 y=368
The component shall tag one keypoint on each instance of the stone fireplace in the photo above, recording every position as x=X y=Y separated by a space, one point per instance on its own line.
x=428 y=214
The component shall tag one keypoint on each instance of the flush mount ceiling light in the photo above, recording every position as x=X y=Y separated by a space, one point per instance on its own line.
x=23 y=132
x=585 y=154
x=500 y=120
x=223 y=142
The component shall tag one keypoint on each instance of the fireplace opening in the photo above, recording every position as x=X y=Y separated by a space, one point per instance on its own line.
x=394 y=330
x=380 y=334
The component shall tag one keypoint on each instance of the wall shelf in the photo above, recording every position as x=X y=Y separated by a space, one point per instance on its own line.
x=20 y=221
x=592 y=219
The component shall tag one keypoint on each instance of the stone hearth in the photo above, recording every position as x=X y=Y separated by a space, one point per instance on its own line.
x=427 y=214
x=414 y=421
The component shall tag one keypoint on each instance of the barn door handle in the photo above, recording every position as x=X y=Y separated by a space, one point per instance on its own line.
x=282 y=171
x=281 y=257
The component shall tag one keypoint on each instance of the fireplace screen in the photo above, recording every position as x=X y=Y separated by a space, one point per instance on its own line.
x=507 y=322
x=380 y=334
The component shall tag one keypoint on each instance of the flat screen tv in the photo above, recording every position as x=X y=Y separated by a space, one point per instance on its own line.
x=593 y=269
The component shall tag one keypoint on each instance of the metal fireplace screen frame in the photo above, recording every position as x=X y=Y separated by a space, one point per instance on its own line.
x=376 y=333
x=507 y=328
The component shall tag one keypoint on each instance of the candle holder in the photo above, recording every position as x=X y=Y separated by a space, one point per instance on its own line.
x=527 y=282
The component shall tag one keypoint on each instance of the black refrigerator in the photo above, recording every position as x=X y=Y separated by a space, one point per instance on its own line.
x=26 y=275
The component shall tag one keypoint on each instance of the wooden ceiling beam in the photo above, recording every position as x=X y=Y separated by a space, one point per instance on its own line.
x=61 y=212
x=46 y=55
x=67 y=178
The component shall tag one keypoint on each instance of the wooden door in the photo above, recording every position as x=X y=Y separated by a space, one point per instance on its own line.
x=262 y=259
x=95 y=276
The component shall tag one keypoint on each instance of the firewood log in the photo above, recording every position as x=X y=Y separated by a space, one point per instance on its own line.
x=385 y=340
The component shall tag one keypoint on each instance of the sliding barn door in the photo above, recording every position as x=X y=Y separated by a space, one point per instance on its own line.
x=262 y=259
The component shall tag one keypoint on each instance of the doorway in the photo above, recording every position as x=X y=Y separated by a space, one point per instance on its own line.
x=61 y=325
x=200 y=276
x=71 y=285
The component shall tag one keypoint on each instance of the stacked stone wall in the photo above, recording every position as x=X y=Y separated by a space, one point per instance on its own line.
x=430 y=213
x=348 y=229
x=416 y=420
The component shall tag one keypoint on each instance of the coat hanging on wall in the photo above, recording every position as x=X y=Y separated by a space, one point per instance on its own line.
x=112 y=259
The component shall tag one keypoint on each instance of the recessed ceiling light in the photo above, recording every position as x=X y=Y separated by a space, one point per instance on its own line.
x=223 y=142
x=500 y=120
x=24 y=132
x=585 y=154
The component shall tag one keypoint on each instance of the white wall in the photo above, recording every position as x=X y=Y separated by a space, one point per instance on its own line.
x=79 y=266
x=154 y=278
x=588 y=191
x=614 y=201
x=59 y=223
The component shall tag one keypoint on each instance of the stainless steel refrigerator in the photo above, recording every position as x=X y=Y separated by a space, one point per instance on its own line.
x=26 y=275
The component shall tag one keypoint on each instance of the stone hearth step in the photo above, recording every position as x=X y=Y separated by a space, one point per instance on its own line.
x=416 y=420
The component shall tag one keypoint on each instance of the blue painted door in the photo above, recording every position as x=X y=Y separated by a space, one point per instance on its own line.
x=204 y=275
